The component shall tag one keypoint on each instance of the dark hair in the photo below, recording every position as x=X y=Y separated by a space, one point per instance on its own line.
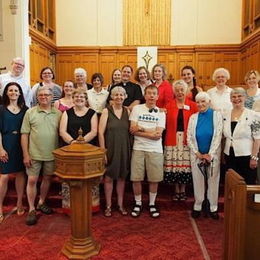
x=137 y=73
x=151 y=87
x=6 y=100
x=128 y=66
x=63 y=93
x=97 y=75
x=194 y=90
x=47 y=68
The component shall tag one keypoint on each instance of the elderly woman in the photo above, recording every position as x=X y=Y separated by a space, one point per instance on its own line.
x=188 y=75
x=252 y=79
x=11 y=156
x=204 y=140
x=116 y=78
x=142 y=76
x=177 y=167
x=47 y=76
x=114 y=136
x=164 y=87
x=220 y=94
x=66 y=101
x=242 y=133
x=80 y=76
x=97 y=96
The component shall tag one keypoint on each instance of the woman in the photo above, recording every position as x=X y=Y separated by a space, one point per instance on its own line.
x=79 y=116
x=66 y=101
x=188 y=75
x=114 y=136
x=242 y=133
x=97 y=96
x=142 y=76
x=47 y=76
x=177 y=168
x=80 y=76
x=115 y=78
x=220 y=94
x=164 y=87
x=11 y=157
x=204 y=140
x=252 y=79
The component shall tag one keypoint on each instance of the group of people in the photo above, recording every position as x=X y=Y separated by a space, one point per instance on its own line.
x=171 y=133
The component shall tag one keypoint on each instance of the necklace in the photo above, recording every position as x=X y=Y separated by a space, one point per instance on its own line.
x=14 y=109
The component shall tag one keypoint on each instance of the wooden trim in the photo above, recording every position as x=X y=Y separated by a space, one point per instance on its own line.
x=250 y=39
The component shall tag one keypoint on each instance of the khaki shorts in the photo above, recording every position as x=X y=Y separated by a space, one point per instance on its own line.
x=150 y=162
x=46 y=167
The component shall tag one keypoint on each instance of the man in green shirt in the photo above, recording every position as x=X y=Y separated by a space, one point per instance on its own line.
x=39 y=138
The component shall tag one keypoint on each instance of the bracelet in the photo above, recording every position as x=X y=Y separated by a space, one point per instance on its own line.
x=71 y=141
x=255 y=158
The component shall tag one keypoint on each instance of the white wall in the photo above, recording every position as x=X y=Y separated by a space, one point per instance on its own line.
x=100 y=22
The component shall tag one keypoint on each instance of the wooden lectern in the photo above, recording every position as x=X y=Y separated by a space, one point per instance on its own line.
x=80 y=165
x=242 y=219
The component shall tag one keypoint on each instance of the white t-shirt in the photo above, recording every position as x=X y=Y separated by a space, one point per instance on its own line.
x=8 y=77
x=147 y=120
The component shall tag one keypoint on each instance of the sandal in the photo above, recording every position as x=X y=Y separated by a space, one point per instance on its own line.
x=122 y=211
x=108 y=212
x=154 y=211
x=183 y=196
x=20 y=211
x=1 y=218
x=45 y=209
x=136 y=211
x=176 y=197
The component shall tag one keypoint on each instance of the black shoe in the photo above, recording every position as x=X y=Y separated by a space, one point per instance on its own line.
x=214 y=215
x=195 y=213
x=45 y=209
x=31 y=218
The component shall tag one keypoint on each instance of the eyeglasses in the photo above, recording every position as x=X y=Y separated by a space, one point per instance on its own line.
x=47 y=73
x=19 y=64
x=44 y=95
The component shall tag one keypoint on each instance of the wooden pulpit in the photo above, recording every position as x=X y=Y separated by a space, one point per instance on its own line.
x=80 y=165
x=241 y=219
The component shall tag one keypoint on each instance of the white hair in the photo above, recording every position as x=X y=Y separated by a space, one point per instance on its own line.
x=221 y=70
x=181 y=83
x=80 y=71
x=203 y=95
x=238 y=90
x=118 y=89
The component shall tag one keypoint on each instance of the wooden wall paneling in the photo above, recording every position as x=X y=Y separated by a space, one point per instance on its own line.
x=205 y=65
x=183 y=59
x=171 y=66
x=127 y=58
x=107 y=64
x=244 y=63
x=65 y=67
x=90 y=62
x=231 y=62
x=254 y=56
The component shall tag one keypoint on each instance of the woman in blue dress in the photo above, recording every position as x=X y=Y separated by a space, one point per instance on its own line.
x=11 y=159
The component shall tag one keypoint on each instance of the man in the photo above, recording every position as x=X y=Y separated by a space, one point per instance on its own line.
x=39 y=138
x=16 y=75
x=133 y=91
x=147 y=125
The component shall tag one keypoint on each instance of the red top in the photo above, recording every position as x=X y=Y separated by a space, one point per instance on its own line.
x=171 y=120
x=165 y=94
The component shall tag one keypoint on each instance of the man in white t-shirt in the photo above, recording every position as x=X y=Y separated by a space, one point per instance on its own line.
x=147 y=125
x=16 y=75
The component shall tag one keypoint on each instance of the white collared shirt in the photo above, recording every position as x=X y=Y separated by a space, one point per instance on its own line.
x=220 y=101
x=97 y=100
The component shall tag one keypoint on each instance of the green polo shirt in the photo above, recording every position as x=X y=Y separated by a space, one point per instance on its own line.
x=42 y=128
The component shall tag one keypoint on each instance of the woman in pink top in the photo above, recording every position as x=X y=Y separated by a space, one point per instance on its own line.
x=65 y=102
x=164 y=87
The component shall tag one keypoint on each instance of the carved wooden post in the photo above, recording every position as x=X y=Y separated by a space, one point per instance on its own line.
x=80 y=165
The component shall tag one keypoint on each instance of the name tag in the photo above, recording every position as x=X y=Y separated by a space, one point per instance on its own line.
x=186 y=107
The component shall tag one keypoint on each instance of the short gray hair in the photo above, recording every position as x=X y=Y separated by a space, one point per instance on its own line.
x=40 y=89
x=118 y=89
x=220 y=70
x=181 y=83
x=203 y=95
x=238 y=90
x=80 y=71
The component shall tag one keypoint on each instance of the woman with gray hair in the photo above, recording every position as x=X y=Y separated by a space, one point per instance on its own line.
x=242 y=133
x=80 y=76
x=204 y=140
x=114 y=136
x=220 y=94
x=177 y=168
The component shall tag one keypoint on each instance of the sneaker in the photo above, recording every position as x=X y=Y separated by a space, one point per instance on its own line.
x=45 y=209
x=195 y=213
x=31 y=218
x=214 y=215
